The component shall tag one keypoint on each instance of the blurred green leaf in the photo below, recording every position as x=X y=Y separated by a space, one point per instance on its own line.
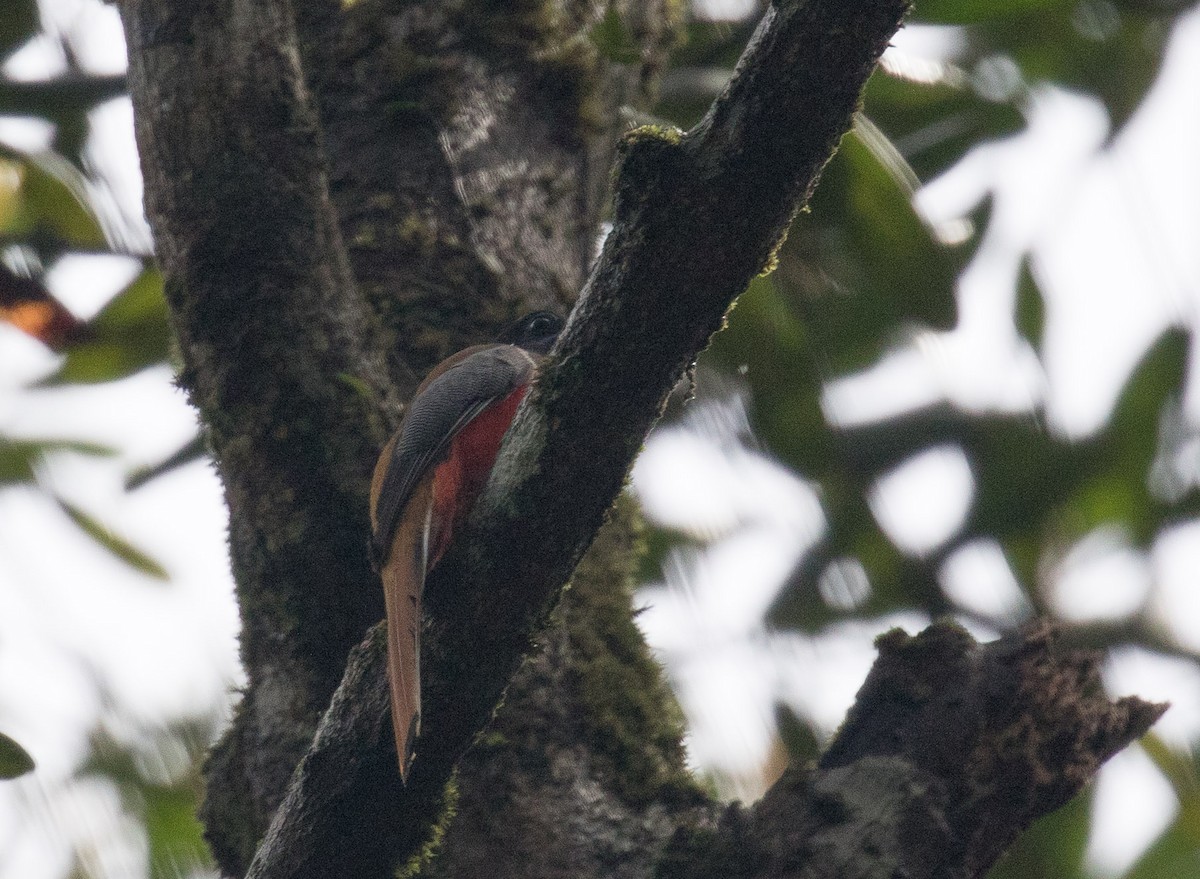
x=19 y=457
x=613 y=39
x=1053 y=847
x=767 y=345
x=17 y=461
x=1030 y=318
x=194 y=449
x=1175 y=854
x=701 y=63
x=18 y=24
x=1110 y=50
x=1031 y=485
x=174 y=832
x=799 y=606
x=116 y=545
x=159 y=783
x=657 y=543
x=934 y=124
x=14 y=760
x=896 y=581
x=130 y=334
x=53 y=198
x=138 y=306
x=1095 y=48
x=976 y=11
x=1130 y=444
x=708 y=43
x=863 y=266
x=886 y=155
x=1178 y=768
x=797 y=735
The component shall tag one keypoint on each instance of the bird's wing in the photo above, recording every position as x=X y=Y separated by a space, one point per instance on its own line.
x=442 y=408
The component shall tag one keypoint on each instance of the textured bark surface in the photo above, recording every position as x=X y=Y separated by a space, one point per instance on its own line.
x=343 y=193
x=582 y=771
x=471 y=147
x=279 y=352
x=950 y=751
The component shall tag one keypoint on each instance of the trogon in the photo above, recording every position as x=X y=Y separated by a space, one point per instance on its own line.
x=428 y=477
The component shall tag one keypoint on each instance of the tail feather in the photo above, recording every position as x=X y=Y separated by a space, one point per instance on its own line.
x=403 y=581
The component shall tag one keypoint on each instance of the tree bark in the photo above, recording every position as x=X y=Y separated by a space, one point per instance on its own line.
x=328 y=183
x=950 y=751
x=280 y=358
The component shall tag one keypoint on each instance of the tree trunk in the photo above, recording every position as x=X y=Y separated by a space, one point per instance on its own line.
x=344 y=193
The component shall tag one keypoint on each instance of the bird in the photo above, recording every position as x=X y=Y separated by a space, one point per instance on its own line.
x=426 y=480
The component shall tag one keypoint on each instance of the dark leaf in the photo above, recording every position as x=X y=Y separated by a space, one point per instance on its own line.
x=797 y=736
x=64 y=99
x=130 y=334
x=1053 y=846
x=14 y=760
x=863 y=266
x=613 y=39
x=194 y=449
x=53 y=198
x=1031 y=308
x=18 y=458
x=116 y=545
x=18 y=24
x=977 y=11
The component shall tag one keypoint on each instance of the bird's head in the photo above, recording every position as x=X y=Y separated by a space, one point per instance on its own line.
x=535 y=332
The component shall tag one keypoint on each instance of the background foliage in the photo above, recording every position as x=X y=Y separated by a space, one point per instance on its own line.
x=865 y=282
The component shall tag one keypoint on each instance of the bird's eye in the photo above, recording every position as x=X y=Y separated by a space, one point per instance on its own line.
x=533 y=331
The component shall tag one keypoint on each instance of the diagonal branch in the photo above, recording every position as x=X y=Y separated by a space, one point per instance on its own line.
x=697 y=216
x=1001 y=733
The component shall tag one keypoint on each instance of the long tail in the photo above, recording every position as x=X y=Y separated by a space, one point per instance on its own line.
x=403 y=581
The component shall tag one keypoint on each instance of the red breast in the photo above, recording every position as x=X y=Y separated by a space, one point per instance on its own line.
x=458 y=480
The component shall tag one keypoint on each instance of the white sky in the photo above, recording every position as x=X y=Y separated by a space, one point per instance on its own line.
x=163 y=651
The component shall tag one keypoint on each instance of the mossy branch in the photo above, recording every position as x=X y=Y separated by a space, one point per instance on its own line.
x=951 y=749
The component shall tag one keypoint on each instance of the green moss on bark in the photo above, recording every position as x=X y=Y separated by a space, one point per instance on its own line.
x=632 y=721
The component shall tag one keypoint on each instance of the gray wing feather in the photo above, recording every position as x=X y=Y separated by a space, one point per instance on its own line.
x=436 y=415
